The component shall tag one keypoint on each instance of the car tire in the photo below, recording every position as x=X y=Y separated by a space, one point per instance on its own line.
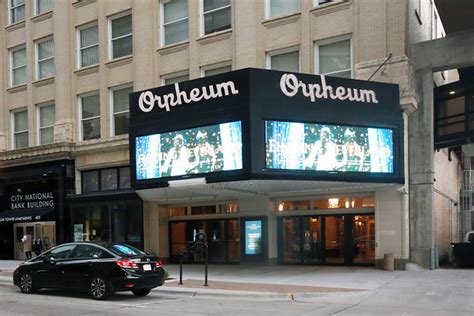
x=141 y=292
x=99 y=288
x=26 y=283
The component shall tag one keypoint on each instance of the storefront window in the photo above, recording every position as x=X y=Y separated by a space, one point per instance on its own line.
x=294 y=205
x=108 y=222
x=106 y=179
x=125 y=178
x=205 y=209
x=228 y=208
x=178 y=211
x=90 y=181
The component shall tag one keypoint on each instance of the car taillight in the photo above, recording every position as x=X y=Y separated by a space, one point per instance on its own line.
x=127 y=264
x=159 y=264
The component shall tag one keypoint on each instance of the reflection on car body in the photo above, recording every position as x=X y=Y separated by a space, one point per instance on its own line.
x=100 y=269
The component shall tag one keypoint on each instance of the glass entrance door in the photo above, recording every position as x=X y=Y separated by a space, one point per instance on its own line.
x=291 y=238
x=43 y=233
x=363 y=228
x=312 y=240
x=334 y=239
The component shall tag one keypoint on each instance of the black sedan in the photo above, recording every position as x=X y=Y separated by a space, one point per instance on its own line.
x=100 y=269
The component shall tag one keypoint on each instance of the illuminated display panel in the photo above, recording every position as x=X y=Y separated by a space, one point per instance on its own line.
x=325 y=147
x=192 y=151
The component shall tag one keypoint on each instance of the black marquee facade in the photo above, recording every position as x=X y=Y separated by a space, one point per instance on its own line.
x=257 y=98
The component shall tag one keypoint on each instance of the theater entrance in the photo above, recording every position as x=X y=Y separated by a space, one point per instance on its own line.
x=327 y=239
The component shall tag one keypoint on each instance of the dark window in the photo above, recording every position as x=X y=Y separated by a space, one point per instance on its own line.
x=108 y=179
x=90 y=181
x=125 y=178
x=89 y=251
x=201 y=210
x=60 y=252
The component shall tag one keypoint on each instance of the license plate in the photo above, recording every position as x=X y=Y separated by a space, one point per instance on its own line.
x=147 y=267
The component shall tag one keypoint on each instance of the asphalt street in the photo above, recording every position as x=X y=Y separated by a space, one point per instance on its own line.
x=438 y=292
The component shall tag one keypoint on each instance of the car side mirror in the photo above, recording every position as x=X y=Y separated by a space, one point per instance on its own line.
x=49 y=260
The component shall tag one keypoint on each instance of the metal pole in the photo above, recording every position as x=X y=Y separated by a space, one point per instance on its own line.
x=181 y=269
x=207 y=261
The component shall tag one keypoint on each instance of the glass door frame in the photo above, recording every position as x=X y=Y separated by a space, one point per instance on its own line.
x=348 y=238
x=18 y=248
x=206 y=232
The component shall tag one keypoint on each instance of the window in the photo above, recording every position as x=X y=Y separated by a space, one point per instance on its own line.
x=175 y=78
x=216 y=70
x=59 y=253
x=120 y=109
x=45 y=58
x=106 y=179
x=90 y=181
x=215 y=16
x=281 y=7
x=334 y=59
x=88 y=43
x=17 y=10
x=90 y=116
x=319 y=2
x=18 y=66
x=175 y=21
x=46 y=124
x=20 y=129
x=284 y=61
x=327 y=203
x=42 y=6
x=89 y=252
x=121 y=37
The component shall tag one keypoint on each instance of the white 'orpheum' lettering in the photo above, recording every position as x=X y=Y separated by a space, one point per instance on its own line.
x=290 y=86
x=147 y=100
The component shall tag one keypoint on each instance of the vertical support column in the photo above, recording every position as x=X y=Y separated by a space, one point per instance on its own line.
x=422 y=176
x=65 y=105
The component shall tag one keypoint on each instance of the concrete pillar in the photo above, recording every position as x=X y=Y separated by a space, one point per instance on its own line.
x=65 y=105
x=422 y=175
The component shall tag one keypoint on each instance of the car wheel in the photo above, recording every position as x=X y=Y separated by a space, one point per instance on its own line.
x=26 y=283
x=141 y=292
x=99 y=288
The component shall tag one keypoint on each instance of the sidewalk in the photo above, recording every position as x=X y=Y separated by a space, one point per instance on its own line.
x=268 y=281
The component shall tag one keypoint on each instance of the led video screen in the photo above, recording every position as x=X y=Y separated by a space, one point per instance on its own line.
x=325 y=147
x=191 y=151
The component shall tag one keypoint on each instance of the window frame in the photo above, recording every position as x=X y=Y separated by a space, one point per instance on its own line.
x=81 y=119
x=286 y=50
x=36 y=7
x=110 y=40
x=202 y=13
x=38 y=61
x=173 y=75
x=38 y=121
x=10 y=11
x=111 y=106
x=78 y=44
x=14 y=132
x=318 y=2
x=12 y=51
x=163 y=24
x=99 y=179
x=317 y=45
x=268 y=10
x=215 y=66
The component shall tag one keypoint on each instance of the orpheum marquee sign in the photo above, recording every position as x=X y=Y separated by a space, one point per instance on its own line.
x=263 y=124
x=290 y=85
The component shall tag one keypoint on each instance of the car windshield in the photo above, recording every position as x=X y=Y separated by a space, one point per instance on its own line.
x=126 y=250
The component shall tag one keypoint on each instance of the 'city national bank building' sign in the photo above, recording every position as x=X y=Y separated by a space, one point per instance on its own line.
x=29 y=201
x=261 y=124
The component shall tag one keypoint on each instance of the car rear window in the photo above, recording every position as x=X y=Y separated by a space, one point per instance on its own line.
x=127 y=250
